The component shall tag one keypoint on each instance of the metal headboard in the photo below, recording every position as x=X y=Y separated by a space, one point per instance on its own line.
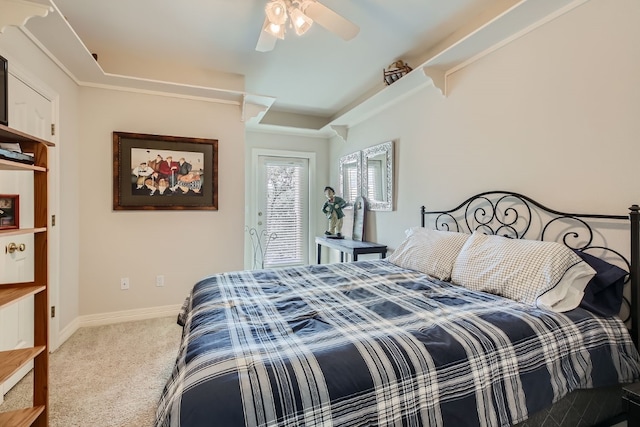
x=517 y=216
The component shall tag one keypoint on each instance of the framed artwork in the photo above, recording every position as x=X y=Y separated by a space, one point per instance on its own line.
x=9 y=211
x=154 y=172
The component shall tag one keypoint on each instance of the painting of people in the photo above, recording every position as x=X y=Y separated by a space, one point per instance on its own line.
x=164 y=172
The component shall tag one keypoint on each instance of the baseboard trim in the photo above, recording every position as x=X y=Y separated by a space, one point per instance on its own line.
x=129 y=315
x=117 y=317
x=66 y=333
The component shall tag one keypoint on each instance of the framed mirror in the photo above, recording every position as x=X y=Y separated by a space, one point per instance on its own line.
x=377 y=176
x=350 y=177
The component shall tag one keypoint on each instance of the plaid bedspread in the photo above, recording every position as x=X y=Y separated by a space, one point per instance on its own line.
x=371 y=344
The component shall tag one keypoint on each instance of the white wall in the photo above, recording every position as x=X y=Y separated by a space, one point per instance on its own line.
x=184 y=246
x=554 y=115
x=21 y=52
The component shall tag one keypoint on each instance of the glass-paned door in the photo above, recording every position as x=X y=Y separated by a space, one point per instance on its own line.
x=283 y=211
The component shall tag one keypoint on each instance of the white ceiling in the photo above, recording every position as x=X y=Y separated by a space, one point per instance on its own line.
x=204 y=45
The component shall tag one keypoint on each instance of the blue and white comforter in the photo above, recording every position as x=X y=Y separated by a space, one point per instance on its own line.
x=371 y=344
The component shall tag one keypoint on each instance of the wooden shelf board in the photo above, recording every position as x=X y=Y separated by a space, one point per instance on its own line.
x=8 y=134
x=10 y=165
x=20 y=231
x=21 y=417
x=12 y=293
x=11 y=361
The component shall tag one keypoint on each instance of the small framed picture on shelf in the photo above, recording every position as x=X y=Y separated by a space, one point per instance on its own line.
x=9 y=211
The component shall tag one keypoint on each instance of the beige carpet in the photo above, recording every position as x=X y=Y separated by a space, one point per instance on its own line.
x=107 y=376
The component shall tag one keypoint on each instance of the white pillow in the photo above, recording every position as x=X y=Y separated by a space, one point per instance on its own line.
x=431 y=252
x=545 y=274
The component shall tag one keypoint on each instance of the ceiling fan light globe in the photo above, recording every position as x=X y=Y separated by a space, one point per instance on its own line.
x=275 y=30
x=301 y=22
x=276 y=12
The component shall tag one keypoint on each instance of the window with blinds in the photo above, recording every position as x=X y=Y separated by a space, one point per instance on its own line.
x=286 y=211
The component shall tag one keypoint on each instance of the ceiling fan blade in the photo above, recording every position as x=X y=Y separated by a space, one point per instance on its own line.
x=331 y=20
x=266 y=41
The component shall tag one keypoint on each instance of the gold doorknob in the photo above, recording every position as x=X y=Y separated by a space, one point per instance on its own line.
x=12 y=247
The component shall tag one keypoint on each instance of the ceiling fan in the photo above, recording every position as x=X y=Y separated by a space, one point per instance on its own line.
x=300 y=15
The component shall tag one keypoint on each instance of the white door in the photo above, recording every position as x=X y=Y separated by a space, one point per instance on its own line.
x=30 y=112
x=282 y=212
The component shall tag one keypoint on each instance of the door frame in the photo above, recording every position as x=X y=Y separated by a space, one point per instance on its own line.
x=53 y=235
x=250 y=214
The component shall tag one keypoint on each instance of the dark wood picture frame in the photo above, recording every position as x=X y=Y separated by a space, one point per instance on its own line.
x=9 y=211
x=156 y=172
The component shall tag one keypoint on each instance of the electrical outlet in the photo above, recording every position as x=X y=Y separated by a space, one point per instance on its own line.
x=159 y=280
x=124 y=283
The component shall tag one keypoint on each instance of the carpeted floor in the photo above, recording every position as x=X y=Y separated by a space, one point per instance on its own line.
x=107 y=376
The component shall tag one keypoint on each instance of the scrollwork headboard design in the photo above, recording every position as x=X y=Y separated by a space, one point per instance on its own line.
x=514 y=215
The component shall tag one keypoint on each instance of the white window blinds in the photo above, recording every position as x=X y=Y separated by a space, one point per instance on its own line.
x=286 y=198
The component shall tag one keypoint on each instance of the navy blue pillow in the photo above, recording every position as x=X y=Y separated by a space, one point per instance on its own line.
x=603 y=294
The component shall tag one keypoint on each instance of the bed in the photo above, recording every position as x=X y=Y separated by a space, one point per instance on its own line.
x=470 y=322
